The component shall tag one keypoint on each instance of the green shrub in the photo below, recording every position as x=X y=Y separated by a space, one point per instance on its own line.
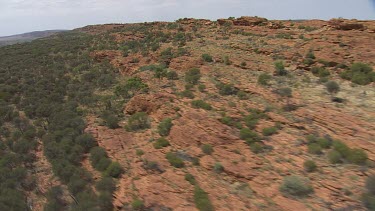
x=357 y=156
x=227 y=120
x=332 y=87
x=251 y=120
x=264 y=78
x=111 y=120
x=207 y=149
x=202 y=87
x=242 y=95
x=86 y=141
x=256 y=147
x=218 y=168
x=106 y=184
x=165 y=126
x=309 y=166
x=103 y=164
x=139 y=152
x=243 y=64
x=174 y=160
x=172 y=75
x=284 y=92
x=114 y=170
x=195 y=161
x=269 y=131
x=324 y=143
x=201 y=200
x=296 y=186
x=311 y=138
x=160 y=143
x=96 y=154
x=342 y=148
x=334 y=157
x=138 y=204
x=370 y=184
x=280 y=69
x=314 y=148
x=359 y=73
x=249 y=136
x=368 y=198
x=201 y=104
x=188 y=94
x=207 y=58
x=226 y=89
x=310 y=55
x=369 y=201
x=320 y=72
x=190 y=178
x=138 y=121
x=131 y=87
x=192 y=76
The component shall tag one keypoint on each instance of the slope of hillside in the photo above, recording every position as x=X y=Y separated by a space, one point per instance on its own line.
x=27 y=37
x=236 y=114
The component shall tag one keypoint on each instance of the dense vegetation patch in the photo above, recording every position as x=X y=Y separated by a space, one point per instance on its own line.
x=359 y=73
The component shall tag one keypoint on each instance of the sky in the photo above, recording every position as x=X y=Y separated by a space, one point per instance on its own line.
x=19 y=16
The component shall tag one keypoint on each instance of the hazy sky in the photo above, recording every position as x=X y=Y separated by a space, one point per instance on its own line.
x=18 y=16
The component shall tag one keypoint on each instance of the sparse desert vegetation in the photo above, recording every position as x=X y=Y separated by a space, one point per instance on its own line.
x=237 y=114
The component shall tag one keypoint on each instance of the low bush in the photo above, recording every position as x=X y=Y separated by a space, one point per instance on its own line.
x=256 y=147
x=320 y=72
x=188 y=94
x=296 y=186
x=370 y=184
x=332 y=87
x=165 y=126
x=359 y=73
x=139 y=152
x=242 y=95
x=218 y=168
x=358 y=156
x=324 y=143
x=202 y=87
x=269 y=131
x=96 y=154
x=160 y=143
x=280 y=69
x=172 y=75
x=227 y=120
x=174 y=160
x=138 y=204
x=309 y=166
x=201 y=200
x=138 y=121
x=341 y=148
x=192 y=76
x=334 y=157
x=190 y=178
x=201 y=104
x=114 y=170
x=368 y=198
x=207 y=58
x=314 y=148
x=207 y=149
x=249 y=136
x=110 y=120
x=106 y=184
x=226 y=89
x=252 y=119
x=264 y=78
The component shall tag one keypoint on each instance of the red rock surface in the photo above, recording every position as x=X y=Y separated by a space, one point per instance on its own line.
x=249 y=181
